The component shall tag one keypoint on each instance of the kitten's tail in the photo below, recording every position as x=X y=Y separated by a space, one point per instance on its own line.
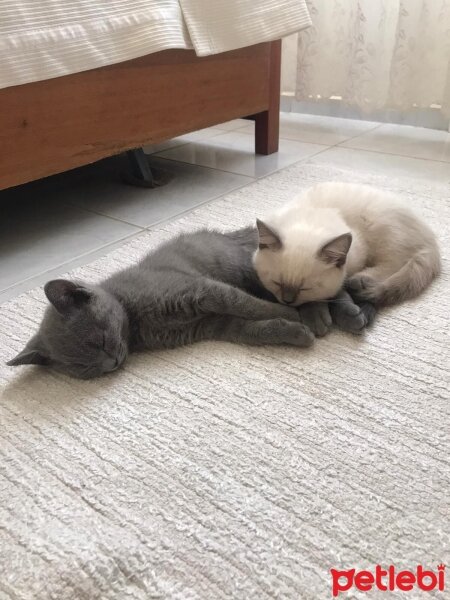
x=409 y=281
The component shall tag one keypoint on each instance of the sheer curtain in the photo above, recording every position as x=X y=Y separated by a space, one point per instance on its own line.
x=373 y=55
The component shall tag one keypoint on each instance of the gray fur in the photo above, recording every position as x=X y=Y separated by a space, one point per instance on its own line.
x=341 y=310
x=199 y=286
x=317 y=316
x=349 y=316
x=195 y=287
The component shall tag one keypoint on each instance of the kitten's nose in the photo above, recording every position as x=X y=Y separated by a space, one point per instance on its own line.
x=288 y=295
x=111 y=364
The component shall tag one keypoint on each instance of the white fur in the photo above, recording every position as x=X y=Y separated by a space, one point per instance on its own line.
x=393 y=255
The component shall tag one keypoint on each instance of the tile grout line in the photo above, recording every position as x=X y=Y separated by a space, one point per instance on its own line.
x=325 y=147
x=249 y=133
x=100 y=214
x=328 y=146
x=244 y=185
x=203 y=203
x=433 y=160
x=185 y=143
x=255 y=179
x=144 y=228
x=360 y=134
x=341 y=145
x=124 y=240
x=120 y=241
x=223 y=131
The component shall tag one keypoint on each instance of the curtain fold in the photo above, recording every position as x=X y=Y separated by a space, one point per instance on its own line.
x=376 y=54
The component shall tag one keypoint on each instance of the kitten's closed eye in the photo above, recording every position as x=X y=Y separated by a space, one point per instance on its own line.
x=97 y=341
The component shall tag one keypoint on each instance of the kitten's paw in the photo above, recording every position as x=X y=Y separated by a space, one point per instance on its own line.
x=348 y=317
x=294 y=334
x=369 y=311
x=363 y=288
x=304 y=337
x=316 y=316
x=287 y=312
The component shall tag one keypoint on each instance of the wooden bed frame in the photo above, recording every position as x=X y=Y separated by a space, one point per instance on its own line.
x=58 y=124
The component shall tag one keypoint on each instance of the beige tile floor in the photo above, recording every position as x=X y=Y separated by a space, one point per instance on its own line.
x=53 y=225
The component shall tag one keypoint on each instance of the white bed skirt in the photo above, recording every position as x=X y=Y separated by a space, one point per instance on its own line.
x=42 y=39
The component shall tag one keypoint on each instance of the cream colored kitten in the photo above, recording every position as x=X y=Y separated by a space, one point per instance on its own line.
x=338 y=233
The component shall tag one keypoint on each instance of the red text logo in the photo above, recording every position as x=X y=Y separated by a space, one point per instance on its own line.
x=388 y=580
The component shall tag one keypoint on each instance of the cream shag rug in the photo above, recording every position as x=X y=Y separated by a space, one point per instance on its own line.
x=219 y=471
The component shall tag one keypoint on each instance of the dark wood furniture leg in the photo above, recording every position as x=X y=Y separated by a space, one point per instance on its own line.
x=267 y=123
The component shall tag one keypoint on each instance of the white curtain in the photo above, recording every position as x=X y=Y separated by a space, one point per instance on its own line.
x=376 y=54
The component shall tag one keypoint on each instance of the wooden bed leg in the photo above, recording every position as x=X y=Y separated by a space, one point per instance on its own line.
x=267 y=123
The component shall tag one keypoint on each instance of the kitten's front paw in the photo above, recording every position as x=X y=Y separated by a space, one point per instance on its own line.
x=369 y=311
x=302 y=335
x=285 y=332
x=363 y=288
x=287 y=312
x=348 y=317
x=316 y=316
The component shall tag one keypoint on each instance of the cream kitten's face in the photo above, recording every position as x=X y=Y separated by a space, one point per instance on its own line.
x=298 y=275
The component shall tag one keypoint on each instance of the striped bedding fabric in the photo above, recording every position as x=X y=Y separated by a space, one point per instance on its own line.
x=42 y=39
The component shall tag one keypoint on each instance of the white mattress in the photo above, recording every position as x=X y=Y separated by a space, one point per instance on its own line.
x=42 y=39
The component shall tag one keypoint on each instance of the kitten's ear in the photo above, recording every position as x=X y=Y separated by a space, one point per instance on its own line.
x=32 y=354
x=335 y=251
x=66 y=295
x=267 y=237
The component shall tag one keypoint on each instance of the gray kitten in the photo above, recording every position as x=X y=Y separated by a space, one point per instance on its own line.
x=198 y=286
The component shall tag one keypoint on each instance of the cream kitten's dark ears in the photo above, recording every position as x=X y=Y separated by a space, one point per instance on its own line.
x=267 y=237
x=335 y=251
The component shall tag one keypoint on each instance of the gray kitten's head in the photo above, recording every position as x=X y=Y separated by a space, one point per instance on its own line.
x=84 y=332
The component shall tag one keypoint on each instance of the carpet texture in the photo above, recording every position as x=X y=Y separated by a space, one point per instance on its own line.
x=219 y=471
